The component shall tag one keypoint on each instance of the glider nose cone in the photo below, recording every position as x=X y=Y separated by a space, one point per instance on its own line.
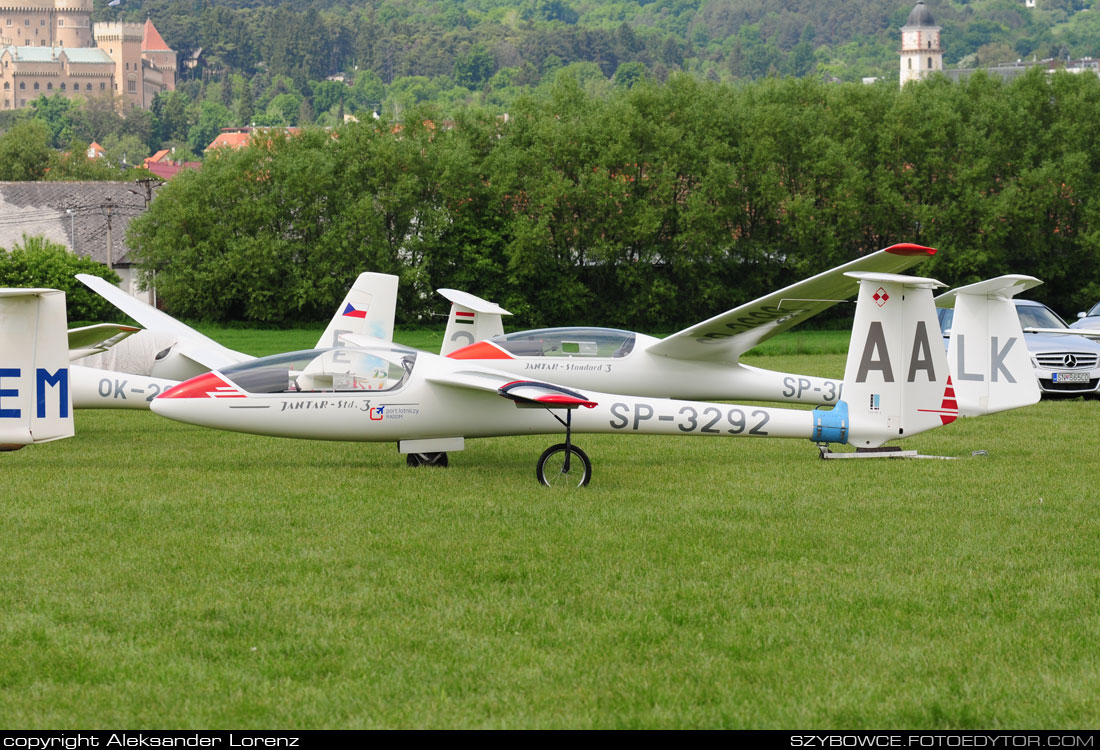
x=180 y=400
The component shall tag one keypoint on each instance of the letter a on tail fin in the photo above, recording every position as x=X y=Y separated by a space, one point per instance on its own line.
x=35 y=399
x=367 y=310
x=896 y=381
x=471 y=319
x=987 y=354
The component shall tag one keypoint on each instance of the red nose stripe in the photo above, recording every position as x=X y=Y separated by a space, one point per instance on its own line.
x=207 y=385
x=480 y=350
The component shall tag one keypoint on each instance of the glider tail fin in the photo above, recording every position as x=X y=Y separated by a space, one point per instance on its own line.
x=987 y=355
x=35 y=399
x=368 y=310
x=896 y=381
x=471 y=319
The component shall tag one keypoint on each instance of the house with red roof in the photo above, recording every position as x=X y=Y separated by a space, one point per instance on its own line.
x=241 y=137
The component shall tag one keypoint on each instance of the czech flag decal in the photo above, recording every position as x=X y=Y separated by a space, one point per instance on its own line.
x=351 y=312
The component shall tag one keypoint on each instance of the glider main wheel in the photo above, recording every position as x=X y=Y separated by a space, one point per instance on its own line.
x=552 y=472
x=426 y=459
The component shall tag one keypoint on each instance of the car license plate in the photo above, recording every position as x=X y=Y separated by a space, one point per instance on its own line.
x=1071 y=377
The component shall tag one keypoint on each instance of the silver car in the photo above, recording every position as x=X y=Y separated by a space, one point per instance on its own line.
x=1090 y=319
x=1065 y=365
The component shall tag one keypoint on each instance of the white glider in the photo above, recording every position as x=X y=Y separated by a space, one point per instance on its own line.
x=700 y=362
x=896 y=384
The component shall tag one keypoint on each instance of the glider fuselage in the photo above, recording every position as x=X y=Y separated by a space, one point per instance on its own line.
x=640 y=372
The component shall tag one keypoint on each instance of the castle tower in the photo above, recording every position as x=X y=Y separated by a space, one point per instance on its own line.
x=160 y=57
x=920 y=45
x=46 y=23
x=122 y=42
x=72 y=23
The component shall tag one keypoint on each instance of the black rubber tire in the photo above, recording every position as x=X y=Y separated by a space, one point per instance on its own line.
x=549 y=468
x=426 y=459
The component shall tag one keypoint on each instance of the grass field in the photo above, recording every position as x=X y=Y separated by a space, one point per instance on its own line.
x=154 y=574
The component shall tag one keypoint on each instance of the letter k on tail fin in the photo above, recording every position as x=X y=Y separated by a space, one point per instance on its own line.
x=988 y=357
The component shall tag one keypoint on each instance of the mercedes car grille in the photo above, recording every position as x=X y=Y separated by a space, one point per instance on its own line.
x=1067 y=360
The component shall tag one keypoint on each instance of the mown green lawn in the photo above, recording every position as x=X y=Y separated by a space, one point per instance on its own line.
x=154 y=574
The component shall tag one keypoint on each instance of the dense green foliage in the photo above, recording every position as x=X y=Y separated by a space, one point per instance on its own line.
x=37 y=262
x=647 y=207
x=32 y=148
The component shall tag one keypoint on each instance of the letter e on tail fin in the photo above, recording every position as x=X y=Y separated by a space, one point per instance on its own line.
x=367 y=310
x=35 y=399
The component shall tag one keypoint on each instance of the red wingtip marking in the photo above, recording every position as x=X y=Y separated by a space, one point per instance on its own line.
x=564 y=400
x=948 y=419
x=908 y=248
x=480 y=350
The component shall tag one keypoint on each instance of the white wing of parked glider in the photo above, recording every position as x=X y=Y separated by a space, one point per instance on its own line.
x=725 y=337
x=94 y=339
x=192 y=345
x=149 y=316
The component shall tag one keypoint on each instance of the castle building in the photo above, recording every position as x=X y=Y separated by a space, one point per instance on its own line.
x=49 y=47
x=921 y=54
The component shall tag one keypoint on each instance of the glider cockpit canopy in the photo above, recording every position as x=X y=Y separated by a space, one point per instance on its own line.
x=568 y=342
x=338 y=369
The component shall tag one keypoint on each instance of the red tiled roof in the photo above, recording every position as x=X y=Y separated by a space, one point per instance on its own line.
x=231 y=140
x=152 y=40
x=241 y=137
x=158 y=156
x=167 y=170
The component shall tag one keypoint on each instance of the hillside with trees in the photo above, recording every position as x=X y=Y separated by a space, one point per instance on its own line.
x=311 y=62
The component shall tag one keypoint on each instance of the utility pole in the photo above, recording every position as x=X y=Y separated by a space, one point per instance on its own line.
x=72 y=227
x=109 y=205
x=147 y=183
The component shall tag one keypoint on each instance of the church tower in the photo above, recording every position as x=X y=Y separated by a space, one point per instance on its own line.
x=920 y=45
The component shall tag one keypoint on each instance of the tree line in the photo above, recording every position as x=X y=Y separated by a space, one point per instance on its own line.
x=651 y=207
